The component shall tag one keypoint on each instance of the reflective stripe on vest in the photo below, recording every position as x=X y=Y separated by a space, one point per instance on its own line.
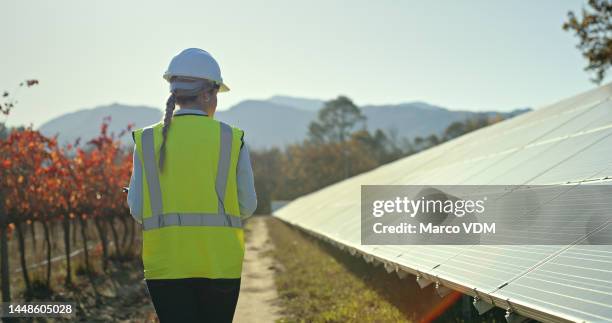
x=158 y=219
x=225 y=156
x=150 y=166
x=190 y=219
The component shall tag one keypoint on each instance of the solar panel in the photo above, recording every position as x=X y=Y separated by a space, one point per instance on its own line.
x=569 y=142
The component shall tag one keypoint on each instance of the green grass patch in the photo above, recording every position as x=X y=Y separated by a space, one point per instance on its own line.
x=318 y=282
x=316 y=287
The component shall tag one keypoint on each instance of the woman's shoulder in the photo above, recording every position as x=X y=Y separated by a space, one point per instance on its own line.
x=139 y=131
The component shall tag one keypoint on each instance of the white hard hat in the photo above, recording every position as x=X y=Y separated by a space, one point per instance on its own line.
x=195 y=63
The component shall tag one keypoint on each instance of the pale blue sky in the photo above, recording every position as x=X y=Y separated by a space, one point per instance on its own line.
x=460 y=54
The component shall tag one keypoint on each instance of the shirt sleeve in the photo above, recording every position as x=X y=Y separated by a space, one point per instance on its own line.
x=247 y=198
x=134 y=196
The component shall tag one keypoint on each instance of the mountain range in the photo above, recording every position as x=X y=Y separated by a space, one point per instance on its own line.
x=277 y=121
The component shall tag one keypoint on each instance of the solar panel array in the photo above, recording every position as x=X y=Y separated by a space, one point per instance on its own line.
x=566 y=143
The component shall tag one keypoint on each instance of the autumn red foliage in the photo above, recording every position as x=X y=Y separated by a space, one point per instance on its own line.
x=46 y=183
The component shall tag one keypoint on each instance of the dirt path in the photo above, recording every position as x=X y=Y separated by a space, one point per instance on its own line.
x=258 y=300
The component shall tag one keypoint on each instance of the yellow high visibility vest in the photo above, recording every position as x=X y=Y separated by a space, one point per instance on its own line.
x=191 y=217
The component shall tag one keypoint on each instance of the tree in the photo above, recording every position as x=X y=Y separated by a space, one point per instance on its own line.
x=380 y=146
x=28 y=151
x=308 y=167
x=432 y=140
x=337 y=120
x=594 y=30
x=419 y=143
x=8 y=103
x=268 y=177
x=454 y=130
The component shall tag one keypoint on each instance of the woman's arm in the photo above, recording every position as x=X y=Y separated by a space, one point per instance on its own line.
x=134 y=196
x=247 y=198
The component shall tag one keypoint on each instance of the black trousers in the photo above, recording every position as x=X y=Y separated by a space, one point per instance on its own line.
x=194 y=299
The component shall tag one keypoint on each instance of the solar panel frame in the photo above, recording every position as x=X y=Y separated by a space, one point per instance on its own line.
x=566 y=142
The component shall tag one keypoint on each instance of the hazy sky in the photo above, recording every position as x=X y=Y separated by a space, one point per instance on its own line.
x=460 y=54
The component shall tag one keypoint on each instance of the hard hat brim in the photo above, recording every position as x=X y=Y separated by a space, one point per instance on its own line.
x=223 y=88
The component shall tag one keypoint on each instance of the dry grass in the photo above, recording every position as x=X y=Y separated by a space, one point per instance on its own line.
x=119 y=294
x=316 y=287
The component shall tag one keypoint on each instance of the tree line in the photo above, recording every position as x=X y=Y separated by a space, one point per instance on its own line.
x=338 y=146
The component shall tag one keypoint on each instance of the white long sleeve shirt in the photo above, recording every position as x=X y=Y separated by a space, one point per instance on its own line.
x=247 y=198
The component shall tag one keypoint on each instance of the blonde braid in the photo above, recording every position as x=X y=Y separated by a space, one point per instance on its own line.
x=170 y=105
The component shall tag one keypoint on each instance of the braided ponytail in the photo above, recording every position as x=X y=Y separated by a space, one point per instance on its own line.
x=170 y=105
